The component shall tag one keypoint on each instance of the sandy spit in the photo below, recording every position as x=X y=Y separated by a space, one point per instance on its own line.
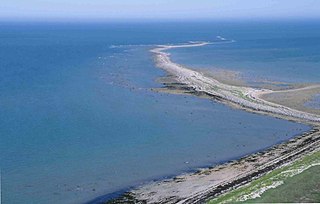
x=208 y=183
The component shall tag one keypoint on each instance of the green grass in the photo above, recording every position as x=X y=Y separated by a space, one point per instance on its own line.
x=302 y=188
x=242 y=95
x=298 y=182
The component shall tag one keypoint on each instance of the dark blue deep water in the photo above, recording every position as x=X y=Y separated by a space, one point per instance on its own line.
x=78 y=119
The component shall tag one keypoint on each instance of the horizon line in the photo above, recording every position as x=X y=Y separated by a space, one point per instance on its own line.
x=125 y=20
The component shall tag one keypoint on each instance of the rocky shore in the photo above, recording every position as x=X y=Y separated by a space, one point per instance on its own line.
x=208 y=183
x=245 y=97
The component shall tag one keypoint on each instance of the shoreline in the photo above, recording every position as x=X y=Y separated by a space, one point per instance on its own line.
x=210 y=182
x=239 y=96
x=207 y=183
x=114 y=197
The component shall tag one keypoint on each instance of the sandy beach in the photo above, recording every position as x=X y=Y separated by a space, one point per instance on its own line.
x=210 y=182
x=245 y=97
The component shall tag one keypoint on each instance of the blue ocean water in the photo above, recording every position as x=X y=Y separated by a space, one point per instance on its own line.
x=78 y=119
x=262 y=51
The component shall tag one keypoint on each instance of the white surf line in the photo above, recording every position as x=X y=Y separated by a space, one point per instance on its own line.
x=246 y=97
x=131 y=45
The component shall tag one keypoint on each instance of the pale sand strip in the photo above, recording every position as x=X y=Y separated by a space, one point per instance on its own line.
x=210 y=182
x=246 y=97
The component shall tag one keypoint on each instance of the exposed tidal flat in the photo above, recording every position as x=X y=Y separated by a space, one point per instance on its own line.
x=79 y=121
x=210 y=182
x=313 y=103
x=244 y=97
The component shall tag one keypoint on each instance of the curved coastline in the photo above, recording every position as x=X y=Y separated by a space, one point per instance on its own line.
x=210 y=182
x=245 y=97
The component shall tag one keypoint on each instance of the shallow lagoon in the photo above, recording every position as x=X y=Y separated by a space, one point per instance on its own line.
x=78 y=119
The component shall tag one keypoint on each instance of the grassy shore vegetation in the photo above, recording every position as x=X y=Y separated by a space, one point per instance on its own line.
x=297 y=182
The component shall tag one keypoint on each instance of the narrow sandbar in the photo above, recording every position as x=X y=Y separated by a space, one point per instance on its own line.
x=210 y=182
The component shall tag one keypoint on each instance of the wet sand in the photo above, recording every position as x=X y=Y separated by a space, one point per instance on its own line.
x=210 y=182
x=243 y=97
x=294 y=98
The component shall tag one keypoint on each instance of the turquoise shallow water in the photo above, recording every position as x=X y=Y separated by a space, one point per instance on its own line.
x=78 y=119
